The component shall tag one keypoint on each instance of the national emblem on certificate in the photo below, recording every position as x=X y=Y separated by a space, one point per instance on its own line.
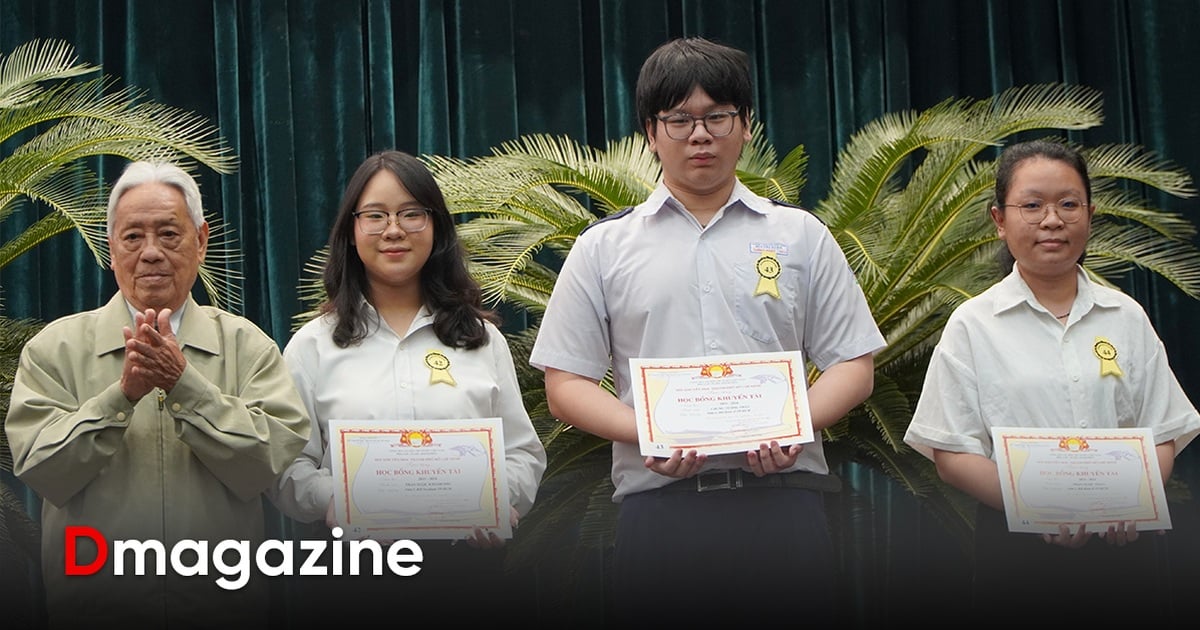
x=720 y=404
x=437 y=479
x=1052 y=477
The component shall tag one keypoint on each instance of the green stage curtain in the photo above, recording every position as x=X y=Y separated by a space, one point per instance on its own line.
x=303 y=90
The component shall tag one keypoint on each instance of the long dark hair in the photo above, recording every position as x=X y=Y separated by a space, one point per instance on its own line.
x=1014 y=156
x=446 y=287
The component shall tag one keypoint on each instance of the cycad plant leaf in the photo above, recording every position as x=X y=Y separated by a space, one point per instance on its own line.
x=759 y=170
x=908 y=205
x=1116 y=248
x=44 y=228
x=1134 y=163
x=30 y=64
x=13 y=335
x=571 y=519
x=65 y=123
x=94 y=121
x=889 y=409
x=311 y=288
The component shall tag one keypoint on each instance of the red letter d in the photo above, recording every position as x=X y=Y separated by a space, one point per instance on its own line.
x=72 y=533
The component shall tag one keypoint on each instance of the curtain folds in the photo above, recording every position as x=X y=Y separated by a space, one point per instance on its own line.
x=303 y=90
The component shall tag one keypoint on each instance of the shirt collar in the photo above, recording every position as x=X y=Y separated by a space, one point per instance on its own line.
x=176 y=316
x=662 y=198
x=196 y=330
x=1012 y=291
x=424 y=317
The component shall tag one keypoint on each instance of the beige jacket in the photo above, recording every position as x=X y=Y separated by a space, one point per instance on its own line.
x=189 y=464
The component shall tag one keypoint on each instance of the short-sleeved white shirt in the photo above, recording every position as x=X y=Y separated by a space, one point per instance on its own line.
x=1003 y=360
x=651 y=282
x=386 y=378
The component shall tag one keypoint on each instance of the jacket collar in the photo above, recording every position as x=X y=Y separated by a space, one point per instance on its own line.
x=198 y=329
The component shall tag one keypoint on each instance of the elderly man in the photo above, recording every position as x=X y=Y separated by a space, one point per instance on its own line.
x=152 y=419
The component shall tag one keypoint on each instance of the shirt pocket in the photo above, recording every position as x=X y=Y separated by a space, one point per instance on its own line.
x=763 y=317
x=1123 y=406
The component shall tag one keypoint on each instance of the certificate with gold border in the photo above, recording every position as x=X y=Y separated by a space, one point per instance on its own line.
x=1052 y=477
x=720 y=404
x=419 y=479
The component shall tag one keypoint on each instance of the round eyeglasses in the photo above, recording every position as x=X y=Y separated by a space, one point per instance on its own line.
x=377 y=221
x=680 y=126
x=1034 y=212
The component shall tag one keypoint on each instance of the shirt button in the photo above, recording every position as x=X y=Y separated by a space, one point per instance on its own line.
x=712 y=344
x=121 y=415
x=707 y=287
x=1082 y=423
x=404 y=385
x=1075 y=378
x=176 y=407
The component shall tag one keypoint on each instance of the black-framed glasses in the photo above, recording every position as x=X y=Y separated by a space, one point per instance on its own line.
x=377 y=221
x=1034 y=212
x=680 y=126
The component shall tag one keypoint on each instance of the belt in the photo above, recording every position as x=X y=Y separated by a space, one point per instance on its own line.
x=735 y=478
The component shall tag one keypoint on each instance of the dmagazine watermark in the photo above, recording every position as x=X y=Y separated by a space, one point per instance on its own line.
x=271 y=558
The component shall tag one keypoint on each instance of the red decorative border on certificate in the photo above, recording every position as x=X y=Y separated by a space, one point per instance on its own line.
x=1152 y=510
x=427 y=433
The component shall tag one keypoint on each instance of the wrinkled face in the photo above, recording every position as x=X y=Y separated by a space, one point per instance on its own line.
x=395 y=257
x=702 y=163
x=1050 y=247
x=156 y=249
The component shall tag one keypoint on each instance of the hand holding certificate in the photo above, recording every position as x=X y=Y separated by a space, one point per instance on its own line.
x=1052 y=477
x=419 y=479
x=720 y=404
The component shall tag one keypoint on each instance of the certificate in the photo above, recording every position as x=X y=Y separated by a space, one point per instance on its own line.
x=419 y=479
x=720 y=404
x=1051 y=477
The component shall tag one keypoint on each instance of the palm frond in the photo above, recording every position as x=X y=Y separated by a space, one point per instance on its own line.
x=14 y=333
x=889 y=409
x=1134 y=163
x=1116 y=248
x=46 y=227
x=69 y=122
x=760 y=171
x=907 y=205
x=311 y=288
x=1039 y=106
x=573 y=514
x=1116 y=205
x=32 y=63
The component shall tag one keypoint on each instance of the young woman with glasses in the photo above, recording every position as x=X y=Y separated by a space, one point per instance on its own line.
x=1048 y=347
x=398 y=297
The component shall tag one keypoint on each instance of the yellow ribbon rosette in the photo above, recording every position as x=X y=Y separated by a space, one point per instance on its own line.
x=768 y=271
x=439 y=368
x=1107 y=353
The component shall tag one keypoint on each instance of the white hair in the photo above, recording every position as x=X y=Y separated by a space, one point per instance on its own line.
x=138 y=173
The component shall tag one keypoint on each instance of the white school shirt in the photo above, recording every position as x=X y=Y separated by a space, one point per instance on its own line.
x=1003 y=360
x=386 y=378
x=653 y=283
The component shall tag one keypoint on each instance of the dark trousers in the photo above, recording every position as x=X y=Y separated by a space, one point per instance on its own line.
x=745 y=555
x=456 y=585
x=1019 y=577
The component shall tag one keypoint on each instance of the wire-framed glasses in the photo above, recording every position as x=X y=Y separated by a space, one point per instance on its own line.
x=377 y=221
x=680 y=126
x=1034 y=211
